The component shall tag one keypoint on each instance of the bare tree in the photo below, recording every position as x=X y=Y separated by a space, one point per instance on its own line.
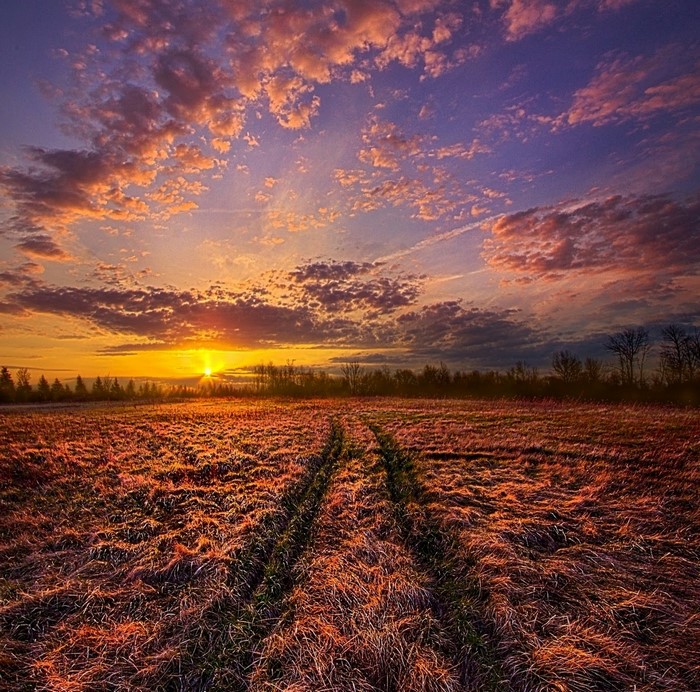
x=631 y=346
x=680 y=354
x=24 y=387
x=593 y=370
x=352 y=375
x=567 y=366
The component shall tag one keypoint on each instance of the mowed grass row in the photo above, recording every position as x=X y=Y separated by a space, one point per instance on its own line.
x=583 y=528
x=128 y=537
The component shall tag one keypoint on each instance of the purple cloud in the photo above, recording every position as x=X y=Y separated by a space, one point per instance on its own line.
x=622 y=234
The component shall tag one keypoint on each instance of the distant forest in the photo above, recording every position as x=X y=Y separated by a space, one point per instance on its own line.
x=676 y=378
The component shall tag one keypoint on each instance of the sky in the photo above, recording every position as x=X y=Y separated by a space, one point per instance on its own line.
x=190 y=185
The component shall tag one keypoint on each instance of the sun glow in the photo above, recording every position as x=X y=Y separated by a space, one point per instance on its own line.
x=207 y=372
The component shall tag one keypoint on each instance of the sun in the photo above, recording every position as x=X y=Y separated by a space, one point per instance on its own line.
x=207 y=372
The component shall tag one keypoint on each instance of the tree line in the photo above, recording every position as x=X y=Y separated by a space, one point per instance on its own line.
x=21 y=390
x=676 y=378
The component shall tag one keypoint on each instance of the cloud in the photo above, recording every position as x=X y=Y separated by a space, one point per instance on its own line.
x=354 y=286
x=627 y=88
x=454 y=332
x=413 y=46
x=319 y=302
x=21 y=275
x=182 y=70
x=386 y=145
x=42 y=246
x=524 y=17
x=429 y=202
x=291 y=220
x=162 y=319
x=174 y=318
x=401 y=171
x=191 y=159
x=632 y=235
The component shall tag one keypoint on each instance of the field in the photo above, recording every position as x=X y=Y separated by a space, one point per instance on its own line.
x=350 y=545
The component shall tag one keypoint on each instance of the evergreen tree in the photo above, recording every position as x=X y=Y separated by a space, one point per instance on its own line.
x=57 y=391
x=43 y=389
x=81 y=391
x=7 y=386
x=115 y=390
x=98 y=388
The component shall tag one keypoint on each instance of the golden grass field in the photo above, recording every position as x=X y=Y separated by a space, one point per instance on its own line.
x=350 y=545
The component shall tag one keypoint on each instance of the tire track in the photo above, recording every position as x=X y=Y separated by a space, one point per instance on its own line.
x=458 y=598
x=230 y=633
x=360 y=616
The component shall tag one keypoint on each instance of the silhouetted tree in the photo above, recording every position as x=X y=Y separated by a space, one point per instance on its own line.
x=567 y=366
x=7 y=386
x=43 y=389
x=631 y=347
x=522 y=373
x=680 y=354
x=81 y=391
x=115 y=390
x=352 y=374
x=406 y=381
x=593 y=370
x=23 y=390
x=434 y=380
x=98 y=388
x=57 y=390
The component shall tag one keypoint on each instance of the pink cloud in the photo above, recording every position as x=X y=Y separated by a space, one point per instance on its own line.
x=629 y=235
x=524 y=17
x=135 y=130
x=636 y=88
x=386 y=146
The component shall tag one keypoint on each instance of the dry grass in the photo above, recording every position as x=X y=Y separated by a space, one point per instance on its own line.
x=125 y=534
x=361 y=615
x=584 y=529
x=212 y=546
